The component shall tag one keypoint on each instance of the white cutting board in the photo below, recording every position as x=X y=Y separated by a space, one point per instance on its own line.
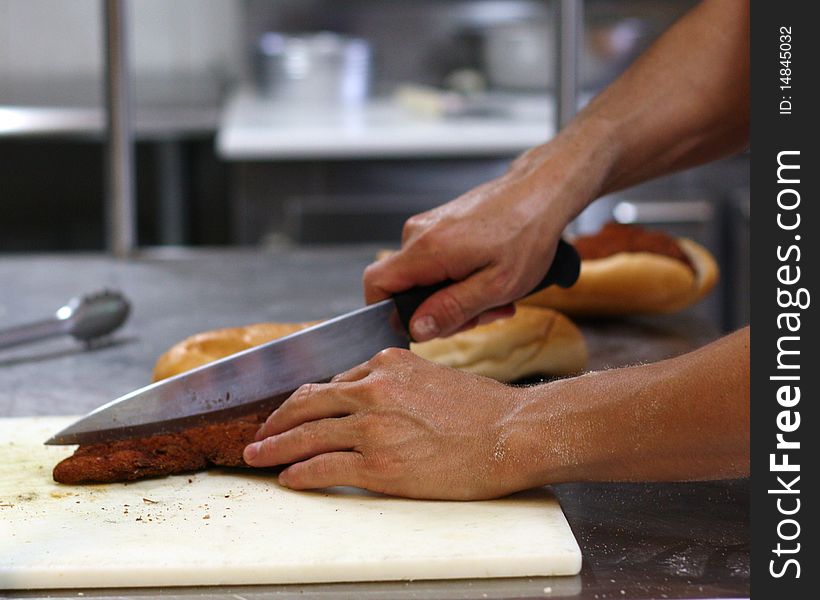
x=239 y=527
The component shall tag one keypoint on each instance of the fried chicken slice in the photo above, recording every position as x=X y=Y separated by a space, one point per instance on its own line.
x=193 y=449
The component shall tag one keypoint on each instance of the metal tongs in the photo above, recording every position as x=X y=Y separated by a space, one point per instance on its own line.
x=86 y=318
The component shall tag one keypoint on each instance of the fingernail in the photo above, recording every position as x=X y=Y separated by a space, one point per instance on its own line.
x=251 y=450
x=283 y=479
x=258 y=435
x=425 y=328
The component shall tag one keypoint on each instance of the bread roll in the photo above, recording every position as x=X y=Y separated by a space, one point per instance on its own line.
x=535 y=341
x=629 y=283
x=202 y=348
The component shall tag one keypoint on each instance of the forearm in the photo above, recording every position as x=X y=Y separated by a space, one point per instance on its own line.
x=685 y=418
x=684 y=102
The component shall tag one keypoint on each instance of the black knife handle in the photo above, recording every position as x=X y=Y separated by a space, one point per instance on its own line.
x=566 y=266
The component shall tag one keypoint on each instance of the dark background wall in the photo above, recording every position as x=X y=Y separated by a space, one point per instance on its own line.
x=51 y=194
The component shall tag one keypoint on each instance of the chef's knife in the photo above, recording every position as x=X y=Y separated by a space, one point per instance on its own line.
x=261 y=378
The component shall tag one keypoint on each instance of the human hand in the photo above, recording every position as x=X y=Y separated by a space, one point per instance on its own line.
x=496 y=242
x=399 y=425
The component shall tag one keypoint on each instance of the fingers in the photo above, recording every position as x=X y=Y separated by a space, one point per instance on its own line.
x=303 y=442
x=325 y=470
x=310 y=402
x=415 y=225
x=447 y=311
x=357 y=373
x=494 y=314
x=401 y=271
x=453 y=307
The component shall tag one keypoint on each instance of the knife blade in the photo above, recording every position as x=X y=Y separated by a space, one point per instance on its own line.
x=261 y=378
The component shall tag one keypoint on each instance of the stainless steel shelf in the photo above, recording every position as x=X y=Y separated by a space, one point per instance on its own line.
x=165 y=107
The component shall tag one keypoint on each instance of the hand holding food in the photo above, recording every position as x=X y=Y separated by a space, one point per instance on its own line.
x=398 y=425
x=536 y=341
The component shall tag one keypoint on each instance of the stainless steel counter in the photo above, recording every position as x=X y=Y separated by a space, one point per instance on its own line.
x=638 y=540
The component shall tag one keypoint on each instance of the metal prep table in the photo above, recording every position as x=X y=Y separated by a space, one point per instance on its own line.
x=638 y=540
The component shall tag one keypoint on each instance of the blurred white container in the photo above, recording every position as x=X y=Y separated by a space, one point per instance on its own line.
x=520 y=55
x=322 y=68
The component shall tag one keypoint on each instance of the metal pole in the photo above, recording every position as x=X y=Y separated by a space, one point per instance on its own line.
x=169 y=165
x=569 y=24
x=120 y=206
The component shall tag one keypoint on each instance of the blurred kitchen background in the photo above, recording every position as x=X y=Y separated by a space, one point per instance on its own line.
x=288 y=122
